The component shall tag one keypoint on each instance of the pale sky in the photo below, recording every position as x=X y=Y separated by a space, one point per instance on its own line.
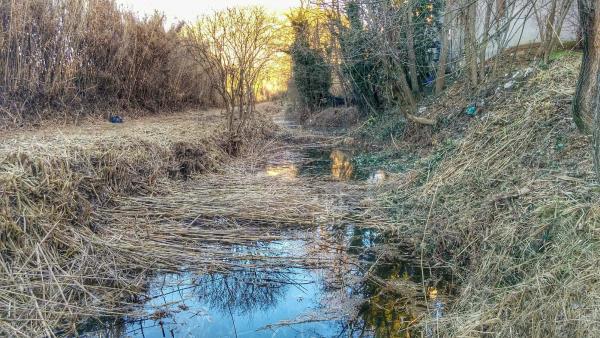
x=189 y=10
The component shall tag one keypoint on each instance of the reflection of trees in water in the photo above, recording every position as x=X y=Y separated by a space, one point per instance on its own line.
x=341 y=165
x=387 y=313
x=257 y=286
x=244 y=291
x=363 y=240
x=102 y=328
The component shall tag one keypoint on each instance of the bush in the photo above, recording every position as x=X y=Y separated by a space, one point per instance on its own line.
x=73 y=55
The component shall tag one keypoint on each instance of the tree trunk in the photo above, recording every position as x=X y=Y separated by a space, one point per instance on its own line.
x=586 y=105
x=412 y=58
x=564 y=10
x=470 y=17
x=549 y=32
x=440 y=80
x=412 y=104
x=486 y=36
x=405 y=89
x=587 y=87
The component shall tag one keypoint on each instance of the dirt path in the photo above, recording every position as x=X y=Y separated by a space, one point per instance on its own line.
x=170 y=128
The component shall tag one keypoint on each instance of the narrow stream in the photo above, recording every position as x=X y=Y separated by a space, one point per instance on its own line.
x=331 y=294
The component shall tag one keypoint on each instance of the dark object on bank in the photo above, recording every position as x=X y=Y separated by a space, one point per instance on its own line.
x=335 y=101
x=115 y=119
x=429 y=80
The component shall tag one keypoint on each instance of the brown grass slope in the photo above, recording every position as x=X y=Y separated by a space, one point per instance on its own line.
x=513 y=209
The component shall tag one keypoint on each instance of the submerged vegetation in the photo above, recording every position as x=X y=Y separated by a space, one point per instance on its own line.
x=425 y=173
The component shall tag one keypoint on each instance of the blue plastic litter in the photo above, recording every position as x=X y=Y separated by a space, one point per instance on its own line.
x=429 y=80
x=471 y=110
x=116 y=119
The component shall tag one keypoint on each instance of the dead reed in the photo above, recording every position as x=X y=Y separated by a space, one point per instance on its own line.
x=87 y=215
x=65 y=59
x=59 y=263
x=513 y=209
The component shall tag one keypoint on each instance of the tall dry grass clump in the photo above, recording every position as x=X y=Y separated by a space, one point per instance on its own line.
x=512 y=208
x=71 y=56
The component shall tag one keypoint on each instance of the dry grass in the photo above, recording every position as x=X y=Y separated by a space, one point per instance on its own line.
x=513 y=209
x=88 y=213
x=59 y=263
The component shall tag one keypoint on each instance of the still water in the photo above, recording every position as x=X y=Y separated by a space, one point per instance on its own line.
x=335 y=164
x=268 y=300
x=319 y=283
x=244 y=303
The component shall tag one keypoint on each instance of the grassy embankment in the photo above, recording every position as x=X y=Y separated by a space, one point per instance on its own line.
x=508 y=202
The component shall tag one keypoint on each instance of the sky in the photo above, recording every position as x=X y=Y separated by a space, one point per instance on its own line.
x=189 y=10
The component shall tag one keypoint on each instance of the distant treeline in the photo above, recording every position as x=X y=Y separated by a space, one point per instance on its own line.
x=77 y=56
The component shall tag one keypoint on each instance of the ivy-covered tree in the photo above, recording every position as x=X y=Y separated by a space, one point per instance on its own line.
x=311 y=72
x=359 y=64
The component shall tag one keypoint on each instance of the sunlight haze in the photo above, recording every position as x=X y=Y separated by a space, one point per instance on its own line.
x=189 y=10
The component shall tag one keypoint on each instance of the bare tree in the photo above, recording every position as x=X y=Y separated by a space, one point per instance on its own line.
x=550 y=16
x=234 y=46
x=469 y=17
x=440 y=81
x=586 y=106
x=410 y=49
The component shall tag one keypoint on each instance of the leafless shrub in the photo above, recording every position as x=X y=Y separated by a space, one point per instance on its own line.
x=70 y=55
x=234 y=47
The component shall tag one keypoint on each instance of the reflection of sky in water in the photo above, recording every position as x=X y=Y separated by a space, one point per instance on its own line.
x=254 y=299
x=248 y=302
x=337 y=164
x=282 y=170
x=236 y=305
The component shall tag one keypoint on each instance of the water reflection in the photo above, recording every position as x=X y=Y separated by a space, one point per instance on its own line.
x=240 y=304
x=336 y=163
x=341 y=165
x=289 y=299
x=288 y=171
x=327 y=282
x=394 y=304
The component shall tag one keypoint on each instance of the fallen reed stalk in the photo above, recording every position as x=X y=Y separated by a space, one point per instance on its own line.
x=58 y=263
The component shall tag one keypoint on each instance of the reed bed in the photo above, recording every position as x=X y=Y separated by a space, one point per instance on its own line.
x=513 y=209
x=89 y=214
x=65 y=59
x=246 y=198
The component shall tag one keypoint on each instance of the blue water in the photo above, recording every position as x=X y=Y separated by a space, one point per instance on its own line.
x=258 y=298
x=307 y=286
x=241 y=304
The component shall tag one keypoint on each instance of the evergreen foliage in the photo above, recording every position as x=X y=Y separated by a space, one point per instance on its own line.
x=312 y=73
